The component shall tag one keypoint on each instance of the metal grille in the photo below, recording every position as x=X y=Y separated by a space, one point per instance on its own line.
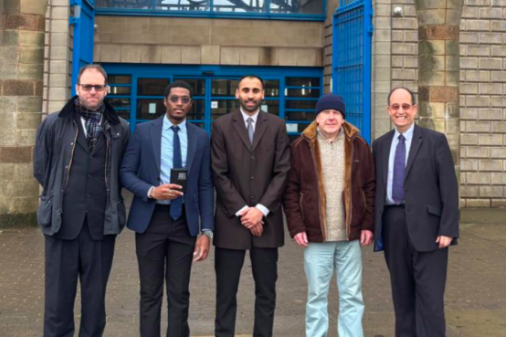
x=351 y=61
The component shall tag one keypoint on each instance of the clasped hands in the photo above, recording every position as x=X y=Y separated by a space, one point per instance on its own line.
x=251 y=218
x=166 y=192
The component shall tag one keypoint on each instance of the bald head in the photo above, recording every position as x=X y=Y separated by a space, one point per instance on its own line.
x=413 y=101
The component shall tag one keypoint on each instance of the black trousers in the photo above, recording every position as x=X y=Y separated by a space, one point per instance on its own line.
x=165 y=250
x=418 y=280
x=228 y=265
x=66 y=261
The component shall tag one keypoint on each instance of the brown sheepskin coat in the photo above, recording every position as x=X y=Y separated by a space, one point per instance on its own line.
x=304 y=198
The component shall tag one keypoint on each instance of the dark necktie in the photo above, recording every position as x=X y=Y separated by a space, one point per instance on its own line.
x=399 y=171
x=251 y=132
x=177 y=162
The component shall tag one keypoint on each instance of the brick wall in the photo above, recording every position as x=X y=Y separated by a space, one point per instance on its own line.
x=57 y=55
x=404 y=46
x=483 y=103
x=381 y=66
x=332 y=5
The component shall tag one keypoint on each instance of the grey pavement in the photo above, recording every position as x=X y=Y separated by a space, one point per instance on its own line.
x=475 y=296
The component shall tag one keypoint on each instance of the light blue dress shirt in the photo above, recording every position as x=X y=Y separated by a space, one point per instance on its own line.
x=408 y=135
x=167 y=155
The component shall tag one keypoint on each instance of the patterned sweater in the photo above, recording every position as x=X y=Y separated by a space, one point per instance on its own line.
x=333 y=162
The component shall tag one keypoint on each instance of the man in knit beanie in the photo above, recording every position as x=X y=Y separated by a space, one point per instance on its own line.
x=329 y=205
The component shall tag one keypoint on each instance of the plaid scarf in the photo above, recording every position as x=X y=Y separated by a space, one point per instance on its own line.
x=93 y=122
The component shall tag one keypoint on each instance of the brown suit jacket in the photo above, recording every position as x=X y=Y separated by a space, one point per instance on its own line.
x=249 y=176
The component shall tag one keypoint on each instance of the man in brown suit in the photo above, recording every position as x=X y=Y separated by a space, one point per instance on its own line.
x=250 y=159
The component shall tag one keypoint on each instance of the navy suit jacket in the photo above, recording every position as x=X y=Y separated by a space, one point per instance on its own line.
x=431 y=192
x=140 y=170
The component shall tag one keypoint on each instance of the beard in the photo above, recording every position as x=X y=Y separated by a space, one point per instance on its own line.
x=247 y=108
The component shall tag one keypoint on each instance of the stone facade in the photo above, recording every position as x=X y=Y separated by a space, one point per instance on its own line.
x=159 y=40
x=57 y=56
x=482 y=87
x=483 y=103
x=394 y=63
x=21 y=76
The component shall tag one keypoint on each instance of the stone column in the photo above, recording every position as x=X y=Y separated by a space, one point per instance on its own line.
x=21 y=72
x=438 y=72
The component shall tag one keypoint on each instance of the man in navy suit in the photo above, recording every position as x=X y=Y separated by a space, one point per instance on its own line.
x=417 y=216
x=165 y=220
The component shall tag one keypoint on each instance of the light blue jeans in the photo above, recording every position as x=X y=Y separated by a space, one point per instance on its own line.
x=320 y=261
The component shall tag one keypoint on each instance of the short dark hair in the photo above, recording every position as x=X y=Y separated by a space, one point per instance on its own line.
x=251 y=76
x=413 y=100
x=177 y=84
x=97 y=67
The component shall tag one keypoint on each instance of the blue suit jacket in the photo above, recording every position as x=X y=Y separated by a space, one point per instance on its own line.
x=140 y=170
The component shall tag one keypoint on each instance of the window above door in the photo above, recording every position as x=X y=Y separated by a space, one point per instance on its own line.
x=307 y=10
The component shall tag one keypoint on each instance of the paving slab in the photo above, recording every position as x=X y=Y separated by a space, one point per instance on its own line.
x=475 y=296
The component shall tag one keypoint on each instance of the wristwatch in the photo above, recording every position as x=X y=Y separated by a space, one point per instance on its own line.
x=208 y=233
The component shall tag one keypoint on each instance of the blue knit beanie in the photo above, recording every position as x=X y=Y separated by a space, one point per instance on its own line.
x=331 y=101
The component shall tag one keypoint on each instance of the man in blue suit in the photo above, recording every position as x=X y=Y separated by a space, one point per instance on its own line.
x=166 y=222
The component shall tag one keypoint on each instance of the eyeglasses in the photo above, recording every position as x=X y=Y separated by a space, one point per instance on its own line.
x=97 y=87
x=396 y=107
x=184 y=99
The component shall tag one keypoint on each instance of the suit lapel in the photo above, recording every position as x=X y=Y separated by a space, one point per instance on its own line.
x=81 y=138
x=259 y=128
x=100 y=142
x=240 y=128
x=192 y=145
x=415 y=146
x=385 y=155
x=156 y=139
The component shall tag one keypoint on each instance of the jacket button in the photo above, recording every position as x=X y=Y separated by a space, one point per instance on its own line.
x=90 y=176
x=252 y=178
x=88 y=195
x=72 y=143
x=252 y=197
x=252 y=157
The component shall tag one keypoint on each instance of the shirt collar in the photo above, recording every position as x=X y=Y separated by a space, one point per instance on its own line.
x=246 y=116
x=167 y=124
x=408 y=134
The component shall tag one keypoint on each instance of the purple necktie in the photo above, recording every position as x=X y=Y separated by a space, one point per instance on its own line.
x=399 y=170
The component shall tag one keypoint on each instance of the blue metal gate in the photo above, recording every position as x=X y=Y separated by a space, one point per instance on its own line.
x=84 y=30
x=351 y=61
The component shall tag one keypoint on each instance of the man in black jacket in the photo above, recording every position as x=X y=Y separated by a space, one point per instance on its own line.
x=76 y=160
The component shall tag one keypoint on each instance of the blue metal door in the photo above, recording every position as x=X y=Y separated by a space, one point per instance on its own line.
x=84 y=30
x=351 y=61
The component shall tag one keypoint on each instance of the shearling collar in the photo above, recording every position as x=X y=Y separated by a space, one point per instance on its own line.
x=311 y=132
x=69 y=109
